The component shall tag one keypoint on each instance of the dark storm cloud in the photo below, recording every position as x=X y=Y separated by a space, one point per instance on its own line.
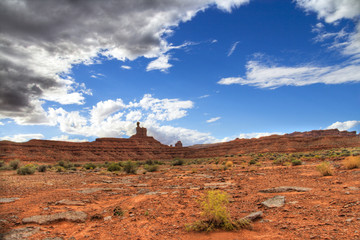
x=41 y=40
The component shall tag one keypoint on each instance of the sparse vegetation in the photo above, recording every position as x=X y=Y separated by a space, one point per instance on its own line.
x=112 y=167
x=27 y=169
x=296 y=162
x=2 y=163
x=118 y=211
x=130 y=167
x=89 y=166
x=325 y=169
x=215 y=213
x=177 y=162
x=352 y=162
x=151 y=168
x=14 y=164
x=42 y=168
x=229 y=164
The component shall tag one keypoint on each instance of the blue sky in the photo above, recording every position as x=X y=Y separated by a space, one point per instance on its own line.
x=196 y=71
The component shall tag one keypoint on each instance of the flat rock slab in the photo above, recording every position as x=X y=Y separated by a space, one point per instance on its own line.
x=8 y=200
x=93 y=190
x=253 y=216
x=285 y=189
x=19 y=233
x=277 y=201
x=70 y=202
x=217 y=185
x=64 y=216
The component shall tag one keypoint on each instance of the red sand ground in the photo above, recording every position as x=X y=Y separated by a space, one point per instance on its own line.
x=158 y=205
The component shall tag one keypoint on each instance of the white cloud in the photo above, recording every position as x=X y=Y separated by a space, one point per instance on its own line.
x=41 y=41
x=117 y=119
x=213 y=119
x=342 y=126
x=232 y=49
x=126 y=67
x=332 y=10
x=1 y=123
x=264 y=76
x=22 y=137
x=204 y=96
x=66 y=138
x=161 y=63
x=104 y=109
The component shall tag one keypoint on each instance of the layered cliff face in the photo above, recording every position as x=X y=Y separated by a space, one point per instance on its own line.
x=142 y=147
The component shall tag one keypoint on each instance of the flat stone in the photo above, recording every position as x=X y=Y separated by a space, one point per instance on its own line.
x=93 y=190
x=64 y=216
x=108 y=218
x=216 y=185
x=8 y=200
x=253 y=216
x=285 y=189
x=19 y=233
x=277 y=201
x=54 y=238
x=70 y=202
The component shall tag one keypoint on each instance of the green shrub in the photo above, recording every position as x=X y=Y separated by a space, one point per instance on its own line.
x=151 y=168
x=177 y=162
x=112 y=167
x=61 y=163
x=214 y=211
x=14 y=164
x=2 y=163
x=42 y=168
x=60 y=169
x=89 y=166
x=118 y=211
x=130 y=167
x=296 y=162
x=149 y=162
x=26 y=170
x=252 y=162
x=325 y=169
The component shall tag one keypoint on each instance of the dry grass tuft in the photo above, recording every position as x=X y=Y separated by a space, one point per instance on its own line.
x=325 y=169
x=352 y=162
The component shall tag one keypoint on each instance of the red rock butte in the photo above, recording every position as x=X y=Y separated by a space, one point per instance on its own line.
x=143 y=147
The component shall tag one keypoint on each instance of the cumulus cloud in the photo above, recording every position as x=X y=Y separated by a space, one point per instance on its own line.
x=114 y=118
x=232 y=49
x=213 y=119
x=40 y=42
x=22 y=137
x=265 y=76
x=342 y=126
x=1 y=123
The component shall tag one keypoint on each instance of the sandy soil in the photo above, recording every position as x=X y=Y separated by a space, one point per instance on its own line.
x=158 y=205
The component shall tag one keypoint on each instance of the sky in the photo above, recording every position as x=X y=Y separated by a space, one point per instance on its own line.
x=199 y=71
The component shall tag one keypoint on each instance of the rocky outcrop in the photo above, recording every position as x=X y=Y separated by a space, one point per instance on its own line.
x=179 y=144
x=143 y=147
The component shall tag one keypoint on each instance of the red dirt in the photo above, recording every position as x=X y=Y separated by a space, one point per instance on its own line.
x=158 y=205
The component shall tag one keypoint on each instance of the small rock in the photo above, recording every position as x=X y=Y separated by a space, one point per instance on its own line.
x=108 y=218
x=8 y=200
x=54 y=238
x=20 y=233
x=277 y=201
x=253 y=216
x=285 y=189
x=64 y=216
x=349 y=220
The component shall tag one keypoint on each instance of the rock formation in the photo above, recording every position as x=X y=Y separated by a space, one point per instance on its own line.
x=178 y=144
x=143 y=147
